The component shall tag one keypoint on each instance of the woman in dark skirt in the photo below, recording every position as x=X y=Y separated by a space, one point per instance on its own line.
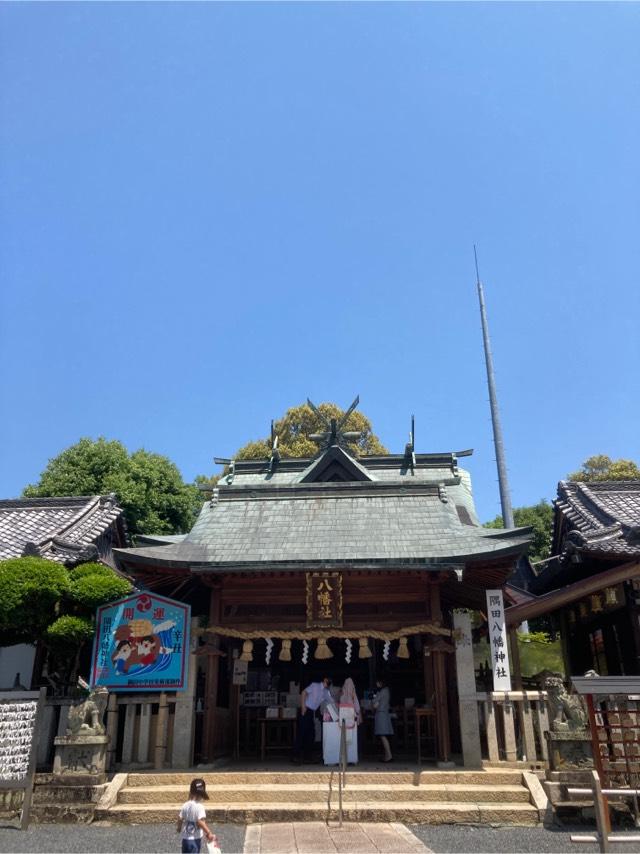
x=382 y=723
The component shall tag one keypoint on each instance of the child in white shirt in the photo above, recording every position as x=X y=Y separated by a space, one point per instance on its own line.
x=191 y=819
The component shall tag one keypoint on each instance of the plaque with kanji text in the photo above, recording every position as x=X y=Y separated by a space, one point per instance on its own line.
x=324 y=600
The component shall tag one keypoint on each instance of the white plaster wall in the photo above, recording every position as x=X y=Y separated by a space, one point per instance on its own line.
x=16 y=659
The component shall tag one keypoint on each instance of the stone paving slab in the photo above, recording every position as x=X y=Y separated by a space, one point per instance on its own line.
x=315 y=837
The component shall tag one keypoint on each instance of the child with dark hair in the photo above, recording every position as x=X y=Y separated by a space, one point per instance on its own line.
x=191 y=819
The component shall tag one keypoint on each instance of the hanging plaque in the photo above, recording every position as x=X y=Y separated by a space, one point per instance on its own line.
x=324 y=600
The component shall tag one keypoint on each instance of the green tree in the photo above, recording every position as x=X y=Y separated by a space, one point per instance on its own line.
x=43 y=602
x=294 y=428
x=540 y=517
x=31 y=589
x=149 y=486
x=601 y=467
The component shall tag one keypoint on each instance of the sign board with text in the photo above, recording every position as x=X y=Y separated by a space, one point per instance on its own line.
x=141 y=644
x=324 y=600
x=498 y=640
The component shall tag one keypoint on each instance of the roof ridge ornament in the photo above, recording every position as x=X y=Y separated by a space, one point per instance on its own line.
x=410 y=447
x=334 y=434
x=275 y=452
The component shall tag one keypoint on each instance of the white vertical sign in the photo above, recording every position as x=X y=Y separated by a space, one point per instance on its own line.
x=498 y=640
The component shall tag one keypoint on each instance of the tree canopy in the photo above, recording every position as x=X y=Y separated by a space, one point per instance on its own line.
x=294 y=428
x=602 y=467
x=540 y=517
x=44 y=602
x=149 y=487
x=299 y=422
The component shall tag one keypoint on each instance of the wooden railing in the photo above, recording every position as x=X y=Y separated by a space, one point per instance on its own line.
x=512 y=725
x=152 y=731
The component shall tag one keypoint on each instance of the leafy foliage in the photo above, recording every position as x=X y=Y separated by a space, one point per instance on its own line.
x=601 y=467
x=97 y=587
x=90 y=569
x=30 y=589
x=68 y=633
x=293 y=431
x=44 y=602
x=148 y=486
x=540 y=517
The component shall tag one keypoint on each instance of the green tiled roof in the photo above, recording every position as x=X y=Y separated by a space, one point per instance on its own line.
x=390 y=516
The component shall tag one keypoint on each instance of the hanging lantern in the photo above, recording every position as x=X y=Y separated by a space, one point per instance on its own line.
x=582 y=609
x=285 y=652
x=596 y=604
x=365 y=649
x=247 y=651
x=322 y=650
x=403 y=649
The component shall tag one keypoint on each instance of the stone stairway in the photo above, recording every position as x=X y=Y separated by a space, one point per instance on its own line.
x=496 y=797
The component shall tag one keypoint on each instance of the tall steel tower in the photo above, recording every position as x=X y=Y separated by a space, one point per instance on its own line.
x=503 y=481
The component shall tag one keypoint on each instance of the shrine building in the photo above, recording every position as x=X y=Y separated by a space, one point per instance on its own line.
x=344 y=565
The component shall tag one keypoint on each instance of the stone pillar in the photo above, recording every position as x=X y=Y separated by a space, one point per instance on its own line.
x=468 y=704
x=185 y=714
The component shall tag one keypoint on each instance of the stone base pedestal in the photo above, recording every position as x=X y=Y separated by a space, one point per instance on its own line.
x=569 y=750
x=80 y=759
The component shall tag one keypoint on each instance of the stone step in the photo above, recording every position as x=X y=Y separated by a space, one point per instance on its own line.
x=64 y=794
x=308 y=792
x=62 y=813
x=409 y=812
x=496 y=777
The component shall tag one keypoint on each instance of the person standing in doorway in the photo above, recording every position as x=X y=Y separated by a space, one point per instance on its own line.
x=191 y=819
x=313 y=696
x=382 y=722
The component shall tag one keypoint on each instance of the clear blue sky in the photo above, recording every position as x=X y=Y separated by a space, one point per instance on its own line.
x=209 y=212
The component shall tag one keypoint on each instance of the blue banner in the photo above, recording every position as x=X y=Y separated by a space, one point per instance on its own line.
x=142 y=644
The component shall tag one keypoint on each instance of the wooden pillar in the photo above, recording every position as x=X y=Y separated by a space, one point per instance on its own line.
x=514 y=651
x=440 y=681
x=211 y=689
x=427 y=662
x=634 y=615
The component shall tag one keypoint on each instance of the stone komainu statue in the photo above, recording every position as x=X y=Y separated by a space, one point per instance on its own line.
x=85 y=718
x=567 y=711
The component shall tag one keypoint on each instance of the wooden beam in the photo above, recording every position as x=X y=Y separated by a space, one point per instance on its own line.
x=555 y=599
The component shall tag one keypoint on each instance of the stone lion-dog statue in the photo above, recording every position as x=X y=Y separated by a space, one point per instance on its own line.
x=85 y=718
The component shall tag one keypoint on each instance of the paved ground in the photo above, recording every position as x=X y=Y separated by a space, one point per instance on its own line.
x=160 y=839
x=450 y=839
x=98 y=838
x=316 y=837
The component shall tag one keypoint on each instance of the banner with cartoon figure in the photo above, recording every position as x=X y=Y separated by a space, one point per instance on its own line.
x=141 y=644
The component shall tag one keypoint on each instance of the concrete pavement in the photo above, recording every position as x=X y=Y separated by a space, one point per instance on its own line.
x=316 y=837
x=162 y=839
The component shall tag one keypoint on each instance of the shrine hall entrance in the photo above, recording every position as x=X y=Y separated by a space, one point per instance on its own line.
x=257 y=721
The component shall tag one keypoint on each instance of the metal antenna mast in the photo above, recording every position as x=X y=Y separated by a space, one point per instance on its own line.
x=503 y=481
